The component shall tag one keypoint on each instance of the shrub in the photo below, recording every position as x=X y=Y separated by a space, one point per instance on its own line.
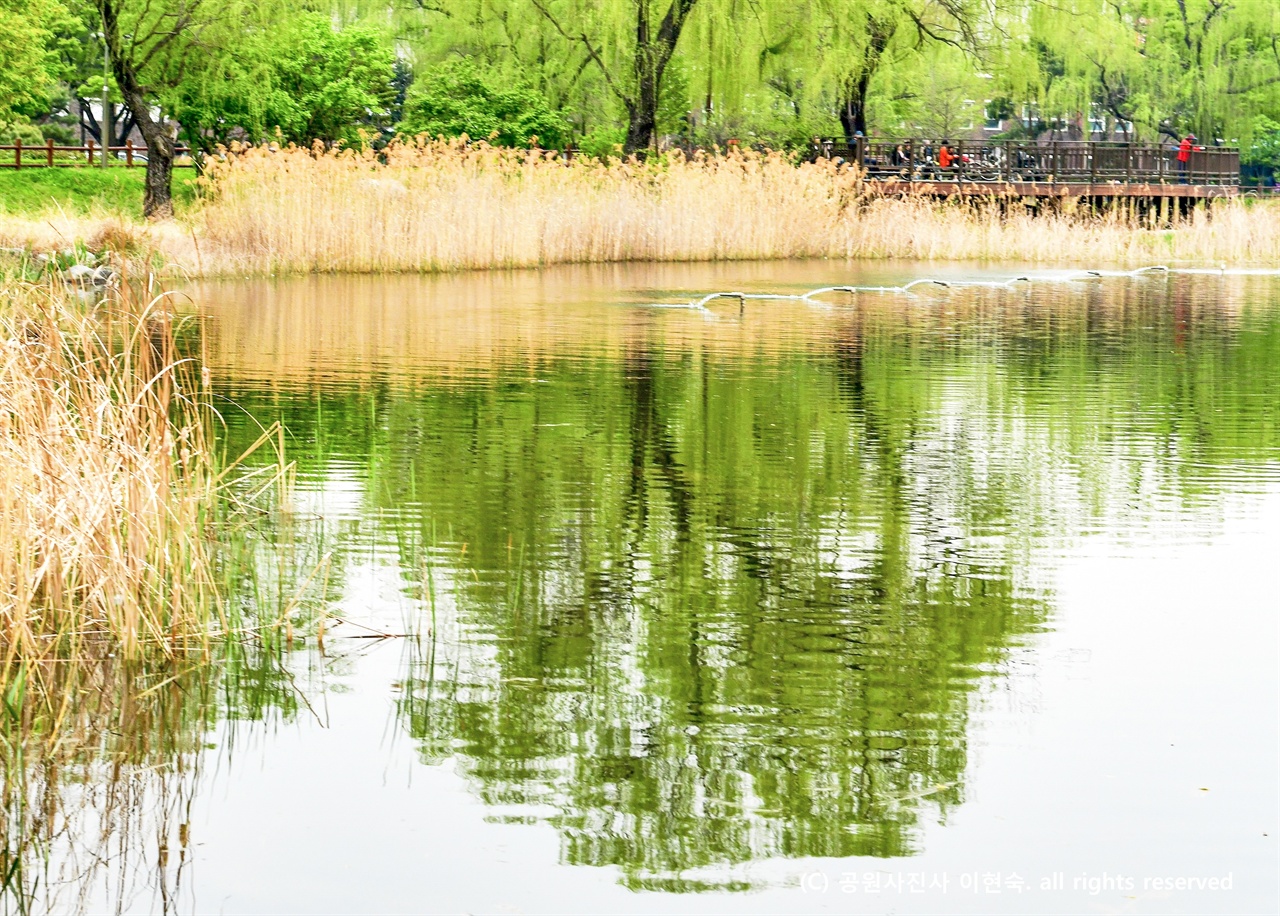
x=29 y=134
x=456 y=99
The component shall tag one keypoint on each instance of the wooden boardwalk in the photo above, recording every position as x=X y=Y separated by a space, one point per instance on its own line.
x=1045 y=170
x=1053 y=190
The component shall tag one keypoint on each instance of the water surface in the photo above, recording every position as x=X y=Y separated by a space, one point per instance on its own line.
x=957 y=602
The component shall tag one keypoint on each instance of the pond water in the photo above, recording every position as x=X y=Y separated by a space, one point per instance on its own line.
x=964 y=601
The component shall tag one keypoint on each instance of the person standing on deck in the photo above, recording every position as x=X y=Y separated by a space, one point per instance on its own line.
x=945 y=156
x=1184 y=156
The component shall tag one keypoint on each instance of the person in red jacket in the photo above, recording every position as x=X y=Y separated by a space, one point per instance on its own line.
x=1184 y=156
x=946 y=158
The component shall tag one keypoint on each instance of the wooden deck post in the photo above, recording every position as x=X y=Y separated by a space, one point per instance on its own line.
x=128 y=154
x=48 y=148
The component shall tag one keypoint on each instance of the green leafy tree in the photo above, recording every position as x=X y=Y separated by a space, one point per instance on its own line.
x=331 y=83
x=152 y=45
x=1166 y=66
x=631 y=44
x=856 y=59
x=29 y=64
x=1263 y=154
x=78 y=41
x=456 y=98
x=937 y=92
x=300 y=80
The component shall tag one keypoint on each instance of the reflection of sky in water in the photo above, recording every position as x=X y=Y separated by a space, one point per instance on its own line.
x=1015 y=557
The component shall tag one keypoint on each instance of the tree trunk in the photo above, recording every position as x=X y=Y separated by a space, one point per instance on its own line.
x=157 y=197
x=853 y=102
x=642 y=124
x=653 y=53
x=853 y=108
x=642 y=116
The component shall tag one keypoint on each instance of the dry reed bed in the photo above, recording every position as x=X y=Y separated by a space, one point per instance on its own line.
x=106 y=481
x=445 y=206
x=113 y=589
x=437 y=206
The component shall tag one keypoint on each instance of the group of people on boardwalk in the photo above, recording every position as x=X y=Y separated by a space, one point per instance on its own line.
x=943 y=159
x=947 y=158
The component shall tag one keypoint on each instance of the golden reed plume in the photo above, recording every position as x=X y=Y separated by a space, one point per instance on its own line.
x=452 y=205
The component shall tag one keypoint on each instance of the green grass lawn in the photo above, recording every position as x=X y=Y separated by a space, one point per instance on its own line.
x=84 y=191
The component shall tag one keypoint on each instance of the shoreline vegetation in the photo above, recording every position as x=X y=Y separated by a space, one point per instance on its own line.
x=107 y=481
x=143 y=573
x=121 y=524
x=119 y=521
x=448 y=205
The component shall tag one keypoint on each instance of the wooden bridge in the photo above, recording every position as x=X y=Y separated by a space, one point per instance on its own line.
x=1053 y=169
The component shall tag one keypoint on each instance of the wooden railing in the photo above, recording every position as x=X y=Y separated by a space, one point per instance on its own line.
x=1056 y=161
x=48 y=155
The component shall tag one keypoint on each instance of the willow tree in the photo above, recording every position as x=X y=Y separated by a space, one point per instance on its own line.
x=509 y=45
x=848 y=44
x=859 y=34
x=631 y=43
x=1167 y=66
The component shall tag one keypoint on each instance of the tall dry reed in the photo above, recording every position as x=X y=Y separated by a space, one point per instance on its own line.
x=430 y=206
x=117 y=541
x=434 y=206
x=106 y=480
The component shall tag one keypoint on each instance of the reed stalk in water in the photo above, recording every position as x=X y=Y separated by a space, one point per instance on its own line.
x=110 y=498
x=119 y=555
x=105 y=477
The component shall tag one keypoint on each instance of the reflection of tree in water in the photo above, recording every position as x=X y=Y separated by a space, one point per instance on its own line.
x=710 y=608
x=734 y=633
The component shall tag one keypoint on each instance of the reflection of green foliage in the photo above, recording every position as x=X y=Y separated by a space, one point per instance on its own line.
x=714 y=609
x=723 y=678
x=1153 y=378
